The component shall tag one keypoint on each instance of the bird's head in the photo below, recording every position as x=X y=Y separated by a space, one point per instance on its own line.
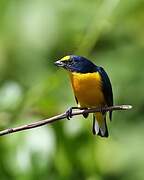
x=77 y=64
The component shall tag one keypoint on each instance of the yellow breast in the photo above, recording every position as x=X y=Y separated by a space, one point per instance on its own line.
x=88 y=89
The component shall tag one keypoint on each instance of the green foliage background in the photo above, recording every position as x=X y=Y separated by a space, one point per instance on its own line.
x=34 y=34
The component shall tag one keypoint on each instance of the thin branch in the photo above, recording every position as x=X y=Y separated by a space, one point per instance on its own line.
x=61 y=117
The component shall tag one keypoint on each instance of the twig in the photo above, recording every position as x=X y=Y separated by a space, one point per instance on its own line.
x=61 y=117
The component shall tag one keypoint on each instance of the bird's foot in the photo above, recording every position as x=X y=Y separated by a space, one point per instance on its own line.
x=102 y=110
x=69 y=113
x=85 y=114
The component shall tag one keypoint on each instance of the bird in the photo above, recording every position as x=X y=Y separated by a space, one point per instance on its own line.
x=91 y=87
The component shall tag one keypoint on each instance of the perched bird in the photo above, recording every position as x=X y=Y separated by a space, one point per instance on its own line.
x=92 y=88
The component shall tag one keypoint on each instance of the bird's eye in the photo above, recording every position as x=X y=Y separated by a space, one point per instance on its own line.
x=70 y=61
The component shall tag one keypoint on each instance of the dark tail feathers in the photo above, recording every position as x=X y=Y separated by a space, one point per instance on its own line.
x=99 y=125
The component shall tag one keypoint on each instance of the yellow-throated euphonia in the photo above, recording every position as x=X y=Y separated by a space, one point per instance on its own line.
x=92 y=88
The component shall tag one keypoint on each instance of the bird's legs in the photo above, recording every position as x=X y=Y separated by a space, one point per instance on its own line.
x=69 y=111
x=102 y=110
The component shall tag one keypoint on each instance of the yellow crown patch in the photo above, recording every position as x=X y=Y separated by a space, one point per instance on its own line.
x=65 y=58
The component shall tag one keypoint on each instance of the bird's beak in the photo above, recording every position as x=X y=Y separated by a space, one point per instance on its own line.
x=59 y=63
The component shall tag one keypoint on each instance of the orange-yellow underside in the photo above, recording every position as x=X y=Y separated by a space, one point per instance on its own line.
x=88 y=89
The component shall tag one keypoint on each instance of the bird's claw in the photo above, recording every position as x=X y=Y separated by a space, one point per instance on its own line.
x=69 y=113
x=102 y=110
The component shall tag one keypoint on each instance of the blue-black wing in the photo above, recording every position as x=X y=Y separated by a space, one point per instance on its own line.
x=107 y=88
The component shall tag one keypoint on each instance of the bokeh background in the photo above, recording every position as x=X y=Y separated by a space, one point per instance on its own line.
x=34 y=34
